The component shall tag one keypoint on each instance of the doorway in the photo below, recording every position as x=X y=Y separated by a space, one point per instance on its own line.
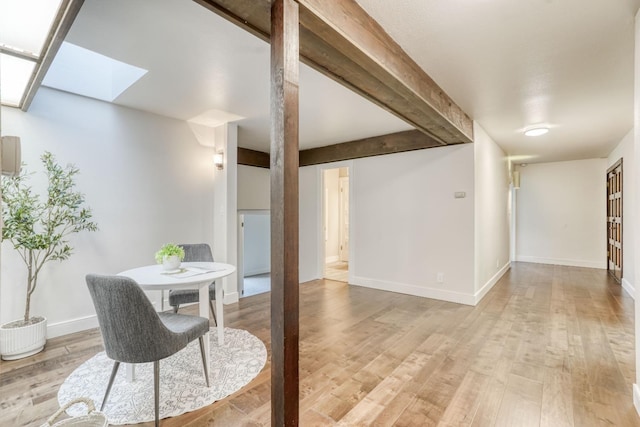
x=254 y=252
x=614 y=220
x=336 y=224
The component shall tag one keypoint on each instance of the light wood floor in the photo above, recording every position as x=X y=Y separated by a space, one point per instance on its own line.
x=548 y=346
x=338 y=271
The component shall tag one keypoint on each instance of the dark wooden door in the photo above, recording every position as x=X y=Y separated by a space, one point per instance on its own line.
x=614 y=220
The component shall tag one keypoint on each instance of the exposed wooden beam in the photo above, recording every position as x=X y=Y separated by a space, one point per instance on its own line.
x=252 y=16
x=284 y=213
x=67 y=14
x=375 y=146
x=367 y=147
x=255 y=158
x=361 y=81
x=339 y=39
x=368 y=59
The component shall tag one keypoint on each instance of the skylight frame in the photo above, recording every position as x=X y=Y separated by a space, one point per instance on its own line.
x=16 y=72
x=26 y=25
x=66 y=14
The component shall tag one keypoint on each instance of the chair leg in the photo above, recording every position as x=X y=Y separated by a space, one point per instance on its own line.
x=204 y=361
x=156 y=390
x=215 y=320
x=114 y=371
x=175 y=308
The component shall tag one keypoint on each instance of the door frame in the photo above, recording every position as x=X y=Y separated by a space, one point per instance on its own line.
x=320 y=222
x=341 y=222
x=617 y=164
x=240 y=258
x=240 y=246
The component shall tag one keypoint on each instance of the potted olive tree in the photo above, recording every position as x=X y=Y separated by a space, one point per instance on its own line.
x=38 y=228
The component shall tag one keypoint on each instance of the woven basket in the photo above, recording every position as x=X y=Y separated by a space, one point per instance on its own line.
x=92 y=419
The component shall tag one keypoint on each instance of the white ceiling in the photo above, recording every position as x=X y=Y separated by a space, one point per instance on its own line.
x=508 y=64
x=513 y=64
x=198 y=62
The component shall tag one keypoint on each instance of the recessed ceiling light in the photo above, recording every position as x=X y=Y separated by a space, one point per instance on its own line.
x=537 y=131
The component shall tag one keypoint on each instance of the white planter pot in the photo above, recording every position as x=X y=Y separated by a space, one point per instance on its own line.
x=23 y=341
x=171 y=263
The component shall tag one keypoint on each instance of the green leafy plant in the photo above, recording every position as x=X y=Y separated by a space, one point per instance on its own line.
x=169 y=250
x=39 y=229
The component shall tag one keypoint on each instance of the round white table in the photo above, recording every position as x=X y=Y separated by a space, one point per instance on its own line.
x=191 y=275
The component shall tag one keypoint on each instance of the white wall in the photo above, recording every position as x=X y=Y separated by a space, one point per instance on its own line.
x=332 y=214
x=225 y=217
x=146 y=178
x=561 y=213
x=310 y=220
x=253 y=188
x=406 y=225
x=624 y=151
x=636 y=167
x=492 y=231
x=257 y=243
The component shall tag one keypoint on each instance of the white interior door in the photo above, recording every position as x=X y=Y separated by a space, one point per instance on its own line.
x=614 y=220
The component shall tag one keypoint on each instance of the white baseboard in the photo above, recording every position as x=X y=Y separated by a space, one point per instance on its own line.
x=559 y=261
x=627 y=286
x=491 y=283
x=419 y=291
x=636 y=398
x=256 y=271
x=71 y=326
x=89 y=322
x=231 y=297
x=330 y=259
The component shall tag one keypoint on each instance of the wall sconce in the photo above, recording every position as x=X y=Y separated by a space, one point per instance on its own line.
x=218 y=160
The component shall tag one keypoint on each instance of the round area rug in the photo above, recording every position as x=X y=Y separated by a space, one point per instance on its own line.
x=182 y=384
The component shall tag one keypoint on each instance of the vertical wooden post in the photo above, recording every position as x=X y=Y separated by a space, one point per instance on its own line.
x=284 y=212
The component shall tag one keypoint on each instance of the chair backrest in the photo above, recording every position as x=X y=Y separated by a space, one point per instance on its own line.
x=197 y=252
x=131 y=329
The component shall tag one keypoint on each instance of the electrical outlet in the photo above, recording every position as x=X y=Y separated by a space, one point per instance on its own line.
x=440 y=278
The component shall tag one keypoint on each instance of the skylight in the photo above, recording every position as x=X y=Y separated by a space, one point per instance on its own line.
x=14 y=78
x=30 y=33
x=26 y=24
x=84 y=72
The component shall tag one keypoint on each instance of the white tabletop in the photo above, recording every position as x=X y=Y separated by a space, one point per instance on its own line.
x=153 y=277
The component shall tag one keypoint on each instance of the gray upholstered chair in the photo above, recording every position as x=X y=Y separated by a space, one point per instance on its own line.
x=133 y=332
x=195 y=252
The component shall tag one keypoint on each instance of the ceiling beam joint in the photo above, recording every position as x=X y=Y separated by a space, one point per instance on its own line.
x=67 y=14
